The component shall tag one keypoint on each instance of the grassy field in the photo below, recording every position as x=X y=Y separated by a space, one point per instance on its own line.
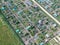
x=7 y=36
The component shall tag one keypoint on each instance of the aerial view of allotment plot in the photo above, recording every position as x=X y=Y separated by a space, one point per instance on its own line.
x=29 y=22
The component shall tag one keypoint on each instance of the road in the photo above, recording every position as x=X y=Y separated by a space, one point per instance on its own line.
x=47 y=12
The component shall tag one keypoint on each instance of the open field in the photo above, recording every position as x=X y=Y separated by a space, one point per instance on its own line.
x=7 y=36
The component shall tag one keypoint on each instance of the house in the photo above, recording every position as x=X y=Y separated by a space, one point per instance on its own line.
x=15 y=8
x=27 y=28
x=41 y=1
x=54 y=25
x=41 y=43
x=29 y=3
x=2 y=8
x=20 y=12
x=55 y=15
x=47 y=35
x=17 y=30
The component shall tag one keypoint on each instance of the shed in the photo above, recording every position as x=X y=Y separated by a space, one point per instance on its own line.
x=41 y=43
x=3 y=8
x=17 y=30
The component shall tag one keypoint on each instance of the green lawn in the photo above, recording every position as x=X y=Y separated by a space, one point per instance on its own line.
x=47 y=43
x=7 y=36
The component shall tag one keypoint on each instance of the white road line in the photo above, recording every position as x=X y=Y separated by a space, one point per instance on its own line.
x=58 y=38
x=55 y=40
x=47 y=12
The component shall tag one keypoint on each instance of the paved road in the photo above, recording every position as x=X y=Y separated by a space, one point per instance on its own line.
x=47 y=12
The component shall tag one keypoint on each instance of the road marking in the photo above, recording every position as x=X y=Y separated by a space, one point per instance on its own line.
x=58 y=38
x=47 y=12
x=55 y=40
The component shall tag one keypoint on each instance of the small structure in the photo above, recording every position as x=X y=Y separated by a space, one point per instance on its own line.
x=2 y=8
x=47 y=35
x=55 y=15
x=54 y=25
x=41 y=43
x=27 y=28
x=15 y=8
x=20 y=12
x=46 y=7
x=17 y=30
x=39 y=21
x=29 y=3
x=41 y=1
